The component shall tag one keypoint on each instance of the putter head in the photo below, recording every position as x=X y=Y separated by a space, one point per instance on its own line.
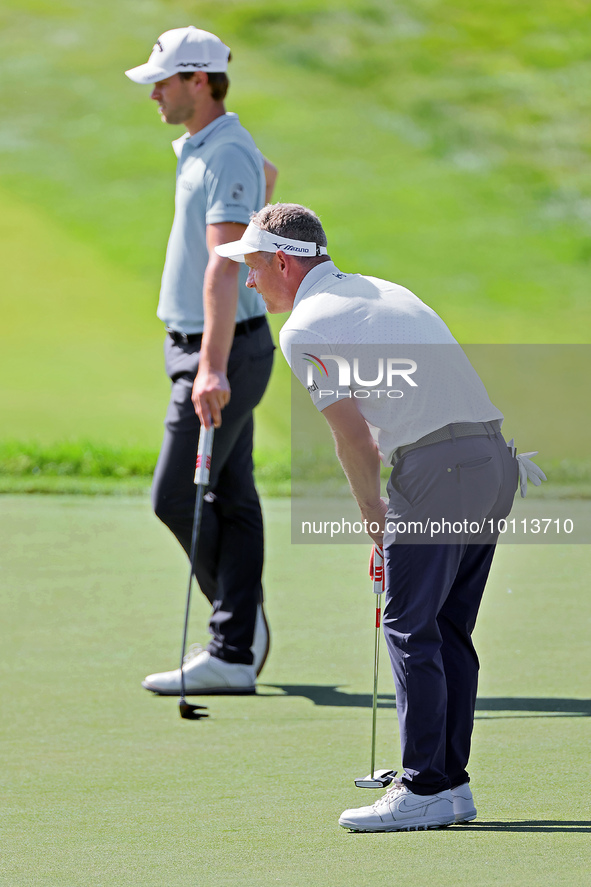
x=379 y=779
x=192 y=712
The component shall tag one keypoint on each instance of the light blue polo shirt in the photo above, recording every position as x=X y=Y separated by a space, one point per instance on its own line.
x=220 y=178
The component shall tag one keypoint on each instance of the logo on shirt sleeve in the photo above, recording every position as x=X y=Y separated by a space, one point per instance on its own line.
x=237 y=191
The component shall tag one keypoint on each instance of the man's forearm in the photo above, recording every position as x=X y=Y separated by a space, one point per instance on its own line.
x=358 y=454
x=211 y=390
x=361 y=463
x=220 y=300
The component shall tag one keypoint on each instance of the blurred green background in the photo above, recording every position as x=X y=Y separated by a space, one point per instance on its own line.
x=444 y=144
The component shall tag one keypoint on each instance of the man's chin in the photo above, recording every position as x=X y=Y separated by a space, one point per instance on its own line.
x=165 y=119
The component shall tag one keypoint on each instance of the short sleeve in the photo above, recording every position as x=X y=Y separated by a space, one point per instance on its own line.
x=233 y=186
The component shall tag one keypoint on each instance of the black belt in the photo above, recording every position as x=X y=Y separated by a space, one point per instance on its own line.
x=241 y=329
x=449 y=432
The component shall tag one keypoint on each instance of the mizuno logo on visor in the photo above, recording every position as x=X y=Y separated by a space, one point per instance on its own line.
x=293 y=249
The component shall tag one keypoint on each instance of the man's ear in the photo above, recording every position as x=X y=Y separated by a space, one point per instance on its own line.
x=199 y=79
x=283 y=261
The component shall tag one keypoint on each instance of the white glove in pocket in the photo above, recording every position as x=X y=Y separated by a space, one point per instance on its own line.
x=528 y=470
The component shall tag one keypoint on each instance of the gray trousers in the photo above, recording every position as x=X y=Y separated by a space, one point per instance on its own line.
x=434 y=587
x=230 y=551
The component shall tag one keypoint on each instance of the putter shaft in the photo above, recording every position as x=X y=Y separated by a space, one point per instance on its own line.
x=375 y=681
x=379 y=778
x=201 y=480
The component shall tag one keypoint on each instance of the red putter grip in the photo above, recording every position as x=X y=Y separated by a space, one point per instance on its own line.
x=203 y=463
x=376 y=569
x=200 y=463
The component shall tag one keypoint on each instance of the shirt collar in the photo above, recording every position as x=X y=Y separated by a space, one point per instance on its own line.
x=196 y=140
x=311 y=283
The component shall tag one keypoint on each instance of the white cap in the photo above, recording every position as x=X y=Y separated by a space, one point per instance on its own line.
x=182 y=49
x=255 y=240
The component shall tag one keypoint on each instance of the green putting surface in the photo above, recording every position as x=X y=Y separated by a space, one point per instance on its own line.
x=104 y=784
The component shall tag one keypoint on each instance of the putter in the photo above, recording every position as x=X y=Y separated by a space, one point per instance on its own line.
x=376 y=778
x=187 y=711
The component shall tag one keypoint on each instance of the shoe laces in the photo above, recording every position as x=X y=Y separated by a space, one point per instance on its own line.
x=193 y=651
x=392 y=790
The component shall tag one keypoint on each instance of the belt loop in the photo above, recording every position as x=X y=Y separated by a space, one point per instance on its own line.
x=452 y=433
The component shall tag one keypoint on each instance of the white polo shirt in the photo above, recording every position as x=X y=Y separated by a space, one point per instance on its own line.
x=364 y=338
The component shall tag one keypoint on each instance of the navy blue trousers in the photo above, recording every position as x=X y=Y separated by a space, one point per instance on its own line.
x=434 y=586
x=231 y=548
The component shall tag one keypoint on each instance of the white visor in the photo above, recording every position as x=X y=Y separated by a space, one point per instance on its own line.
x=255 y=240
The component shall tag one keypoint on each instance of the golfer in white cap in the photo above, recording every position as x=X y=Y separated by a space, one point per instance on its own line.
x=219 y=354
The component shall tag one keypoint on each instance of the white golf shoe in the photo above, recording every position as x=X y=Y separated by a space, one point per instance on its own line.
x=205 y=675
x=464 y=809
x=401 y=810
x=168 y=683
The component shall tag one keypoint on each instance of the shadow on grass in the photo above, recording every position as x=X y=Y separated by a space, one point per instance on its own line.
x=533 y=826
x=331 y=695
x=510 y=706
x=530 y=825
